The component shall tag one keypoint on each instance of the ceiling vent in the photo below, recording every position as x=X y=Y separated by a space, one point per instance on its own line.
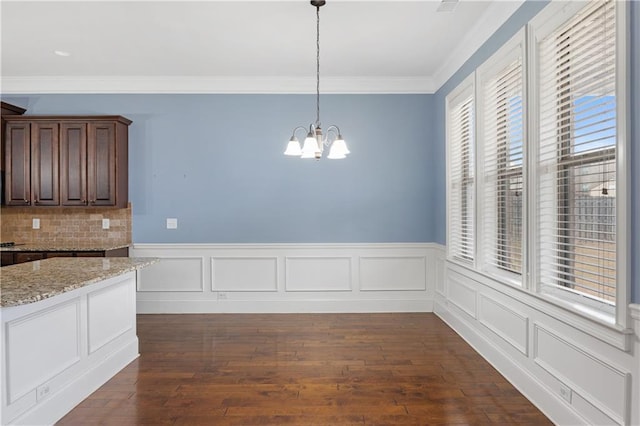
x=447 y=5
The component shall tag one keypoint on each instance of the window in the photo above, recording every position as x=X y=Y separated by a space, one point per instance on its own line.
x=501 y=137
x=552 y=182
x=461 y=172
x=576 y=193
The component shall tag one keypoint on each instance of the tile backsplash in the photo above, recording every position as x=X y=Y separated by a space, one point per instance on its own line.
x=65 y=225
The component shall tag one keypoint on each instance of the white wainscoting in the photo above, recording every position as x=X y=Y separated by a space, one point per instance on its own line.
x=57 y=351
x=575 y=370
x=289 y=277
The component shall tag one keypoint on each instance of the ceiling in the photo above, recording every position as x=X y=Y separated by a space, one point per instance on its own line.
x=239 y=46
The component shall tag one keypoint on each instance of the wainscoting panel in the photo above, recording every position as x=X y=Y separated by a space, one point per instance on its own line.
x=393 y=273
x=173 y=274
x=244 y=273
x=389 y=277
x=510 y=325
x=318 y=274
x=110 y=314
x=575 y=370
x=51 y=342
x=460 y=294
x=599 y=383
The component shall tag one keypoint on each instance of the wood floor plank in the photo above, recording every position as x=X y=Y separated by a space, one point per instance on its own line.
x=304 y=369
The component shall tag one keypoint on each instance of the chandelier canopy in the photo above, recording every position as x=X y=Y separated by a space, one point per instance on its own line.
x=315 y=141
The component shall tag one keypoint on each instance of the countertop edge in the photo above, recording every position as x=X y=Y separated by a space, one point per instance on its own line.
x=116 y=266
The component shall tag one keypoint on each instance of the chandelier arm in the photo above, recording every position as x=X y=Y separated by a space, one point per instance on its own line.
x=334 y=128
x=296 y=129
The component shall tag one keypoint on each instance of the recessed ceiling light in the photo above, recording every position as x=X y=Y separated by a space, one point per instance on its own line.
x=62 y=53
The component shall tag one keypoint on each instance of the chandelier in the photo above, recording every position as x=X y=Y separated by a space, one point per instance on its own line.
x=315 y=142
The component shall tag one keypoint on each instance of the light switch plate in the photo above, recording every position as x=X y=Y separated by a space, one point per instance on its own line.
x=172 y=223
x=36 y=223
x=105 y=224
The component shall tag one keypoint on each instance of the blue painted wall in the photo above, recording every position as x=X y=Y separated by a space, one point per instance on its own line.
x=527 y=11
x=215 y=163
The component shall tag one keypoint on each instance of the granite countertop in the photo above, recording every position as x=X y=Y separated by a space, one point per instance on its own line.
x=65 y=246
x=33 y=281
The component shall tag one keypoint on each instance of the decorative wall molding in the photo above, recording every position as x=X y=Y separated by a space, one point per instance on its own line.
x=220 y=84
x=244 y=273
x=572 y=375
x=507 y=323
x=177 y=273
x=385 y=277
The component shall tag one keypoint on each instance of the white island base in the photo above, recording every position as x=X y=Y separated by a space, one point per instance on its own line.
x=57 y=351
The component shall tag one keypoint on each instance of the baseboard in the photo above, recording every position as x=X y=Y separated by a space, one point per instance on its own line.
x=278 y=306
x=59 y=404
x=535 y=391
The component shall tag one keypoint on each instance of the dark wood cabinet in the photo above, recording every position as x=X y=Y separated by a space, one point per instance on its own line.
x=101 y=176
x=17 y=166
x=67 y=161
x=6 y=110
x=73 y=164
x=45 y=149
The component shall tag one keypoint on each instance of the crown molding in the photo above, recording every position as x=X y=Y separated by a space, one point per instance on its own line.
x=487 y=24
x=231 y=85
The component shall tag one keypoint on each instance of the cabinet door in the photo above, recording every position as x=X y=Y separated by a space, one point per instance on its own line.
x=17 y=178
x=45 y=156
x=73 y=164
x=101 y=165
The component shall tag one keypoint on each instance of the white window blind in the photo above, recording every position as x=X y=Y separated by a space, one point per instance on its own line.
x=460 y=125
x=576 y=193
x=502 y=164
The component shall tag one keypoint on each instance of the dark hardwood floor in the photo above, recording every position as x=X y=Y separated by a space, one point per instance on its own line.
x=304 y=369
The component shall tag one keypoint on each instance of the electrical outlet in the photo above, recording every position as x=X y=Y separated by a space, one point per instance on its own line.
x=35 y=223
x=565 y=392
x=105 y=224
x=172 y=223
x=42 y=392
x=222 y=295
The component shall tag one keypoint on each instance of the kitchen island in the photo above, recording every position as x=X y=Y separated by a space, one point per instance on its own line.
x=68 y=326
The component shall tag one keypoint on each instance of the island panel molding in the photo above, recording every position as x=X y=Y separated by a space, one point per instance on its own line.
x=68 y=326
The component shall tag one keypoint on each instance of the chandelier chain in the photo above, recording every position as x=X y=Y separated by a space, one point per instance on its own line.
x=317 y=66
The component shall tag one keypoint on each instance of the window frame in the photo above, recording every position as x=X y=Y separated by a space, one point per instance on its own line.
x=549 y=19
x=512 y=50
x=454 y=99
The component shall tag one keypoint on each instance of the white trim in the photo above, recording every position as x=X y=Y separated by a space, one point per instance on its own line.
x=58 y=405
x=220 y=84
x=466 y=87
x=510 y=51
x=533 y=389
x=541 y=382
x=491 y=20
x=623 y=160
x=486 y=25
x=607 y=332
x=326 y=278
